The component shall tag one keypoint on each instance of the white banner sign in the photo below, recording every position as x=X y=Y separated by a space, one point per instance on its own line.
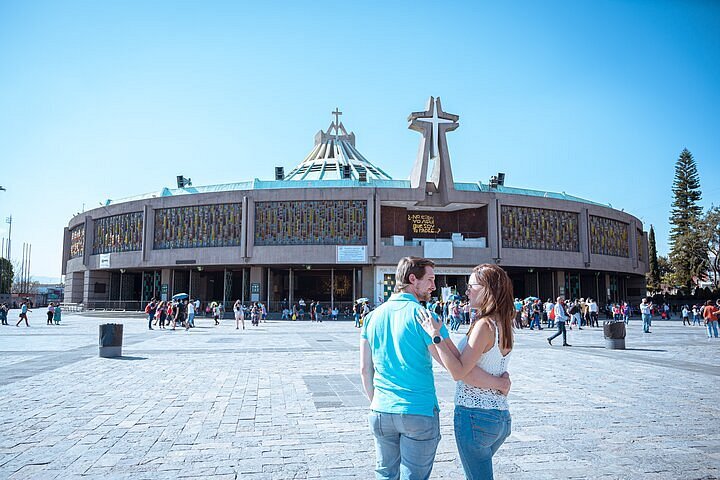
x=438 y=249
x=104 y=260
x=351 y=254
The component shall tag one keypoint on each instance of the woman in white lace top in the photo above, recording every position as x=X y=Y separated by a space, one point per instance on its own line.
x=482 y=418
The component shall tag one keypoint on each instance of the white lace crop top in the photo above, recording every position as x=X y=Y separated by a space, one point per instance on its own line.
x=493 y=363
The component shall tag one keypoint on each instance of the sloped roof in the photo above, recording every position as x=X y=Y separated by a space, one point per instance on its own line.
x=333 y=150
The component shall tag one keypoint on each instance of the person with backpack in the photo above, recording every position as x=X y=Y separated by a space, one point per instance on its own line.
x=150 y=310
x=550 y=313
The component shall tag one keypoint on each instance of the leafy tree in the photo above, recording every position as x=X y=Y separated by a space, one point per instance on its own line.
x=687 y=252
x=6 y=275
x=665 y=271
x=653 y=276
x=709 y=230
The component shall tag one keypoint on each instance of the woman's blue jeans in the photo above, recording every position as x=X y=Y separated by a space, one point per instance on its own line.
x=478 y=434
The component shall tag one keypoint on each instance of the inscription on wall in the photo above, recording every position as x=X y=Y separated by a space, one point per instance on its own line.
x=423 y=223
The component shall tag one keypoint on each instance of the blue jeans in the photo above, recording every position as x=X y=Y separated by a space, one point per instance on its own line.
x=535 y=321
x=478 y=434
x=191 y=319
x=647 y=321
x=560 y=331
x=712 y=327
x=357 y=320
x=405 y=445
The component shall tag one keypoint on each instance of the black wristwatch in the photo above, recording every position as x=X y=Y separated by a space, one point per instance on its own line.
x=437 y=339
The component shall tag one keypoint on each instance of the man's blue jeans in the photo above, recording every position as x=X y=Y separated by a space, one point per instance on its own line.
x=405 y=445
x=478 y=434
x=712 y=327
x=647 y=321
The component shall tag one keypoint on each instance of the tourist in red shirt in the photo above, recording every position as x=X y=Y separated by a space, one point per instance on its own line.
x=710 y=314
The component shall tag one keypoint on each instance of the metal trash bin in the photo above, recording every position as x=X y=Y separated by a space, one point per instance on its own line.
x=614 y=332
x=111 y=336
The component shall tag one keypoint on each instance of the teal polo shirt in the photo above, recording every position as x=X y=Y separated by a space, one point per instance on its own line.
x=403 y=378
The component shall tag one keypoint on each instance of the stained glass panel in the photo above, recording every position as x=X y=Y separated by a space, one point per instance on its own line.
x=609 y=237
x=198 y=226
x=539 y=229
x=119 y=233
x=77 y=241
x=316 y=222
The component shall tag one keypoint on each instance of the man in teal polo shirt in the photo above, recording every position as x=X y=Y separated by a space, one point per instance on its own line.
x=396 y=369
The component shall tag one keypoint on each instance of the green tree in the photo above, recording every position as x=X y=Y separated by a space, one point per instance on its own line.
x=687 y=253
x=665 y=271
x=6 y=275
x=653 y=276
x=709 y=229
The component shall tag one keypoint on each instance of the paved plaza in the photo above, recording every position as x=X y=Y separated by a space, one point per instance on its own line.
x=284 y=401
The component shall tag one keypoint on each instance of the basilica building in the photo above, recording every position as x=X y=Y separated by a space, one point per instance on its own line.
x=334 y=227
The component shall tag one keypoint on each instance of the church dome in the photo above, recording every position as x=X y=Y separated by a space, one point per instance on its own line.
x=334 y=157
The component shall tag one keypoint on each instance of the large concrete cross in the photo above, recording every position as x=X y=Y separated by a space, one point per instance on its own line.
x=433 y=124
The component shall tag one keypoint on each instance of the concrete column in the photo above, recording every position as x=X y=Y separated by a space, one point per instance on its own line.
x=66 y=250
x=269 y=289
x=291 y=296
x=494 y=239
x=584 y=235
x=148 y=231
x=244 y=229
x=373 y=233
x=560 y=282
x=244 y=285
x=89 y=239
x=250 y=231
x=633 y=238
x=256 y=274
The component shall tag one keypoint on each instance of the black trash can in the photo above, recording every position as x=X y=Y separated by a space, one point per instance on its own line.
x=111 y=335
x=614 y=335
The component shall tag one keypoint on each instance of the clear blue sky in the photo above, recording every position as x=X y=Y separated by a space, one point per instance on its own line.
x=110 y=99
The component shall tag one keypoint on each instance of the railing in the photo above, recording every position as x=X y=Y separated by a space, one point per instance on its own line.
x=116 y=305
x=72 y=307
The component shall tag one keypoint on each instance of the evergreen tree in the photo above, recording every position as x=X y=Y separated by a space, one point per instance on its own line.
x=687 y=253
x=6 y=275
x=653 y=276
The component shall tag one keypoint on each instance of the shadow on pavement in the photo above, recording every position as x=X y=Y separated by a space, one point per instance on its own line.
x=627 y=349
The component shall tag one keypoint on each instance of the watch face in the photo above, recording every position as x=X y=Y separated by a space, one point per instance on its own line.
x=437 y=339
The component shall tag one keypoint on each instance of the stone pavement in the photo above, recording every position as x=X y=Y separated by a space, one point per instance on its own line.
x=284 y=401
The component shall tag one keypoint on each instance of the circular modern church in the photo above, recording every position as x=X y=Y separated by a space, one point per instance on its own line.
x=333 y=229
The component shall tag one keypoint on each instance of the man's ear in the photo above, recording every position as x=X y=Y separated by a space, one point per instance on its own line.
x=412 y=278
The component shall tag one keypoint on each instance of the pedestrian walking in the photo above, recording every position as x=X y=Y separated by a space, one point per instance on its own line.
x=239 y=315
x=192 y=308
x=23 y=314
x=686 y=315
x=561 y=317
x=216 y=312
x=4 y=313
